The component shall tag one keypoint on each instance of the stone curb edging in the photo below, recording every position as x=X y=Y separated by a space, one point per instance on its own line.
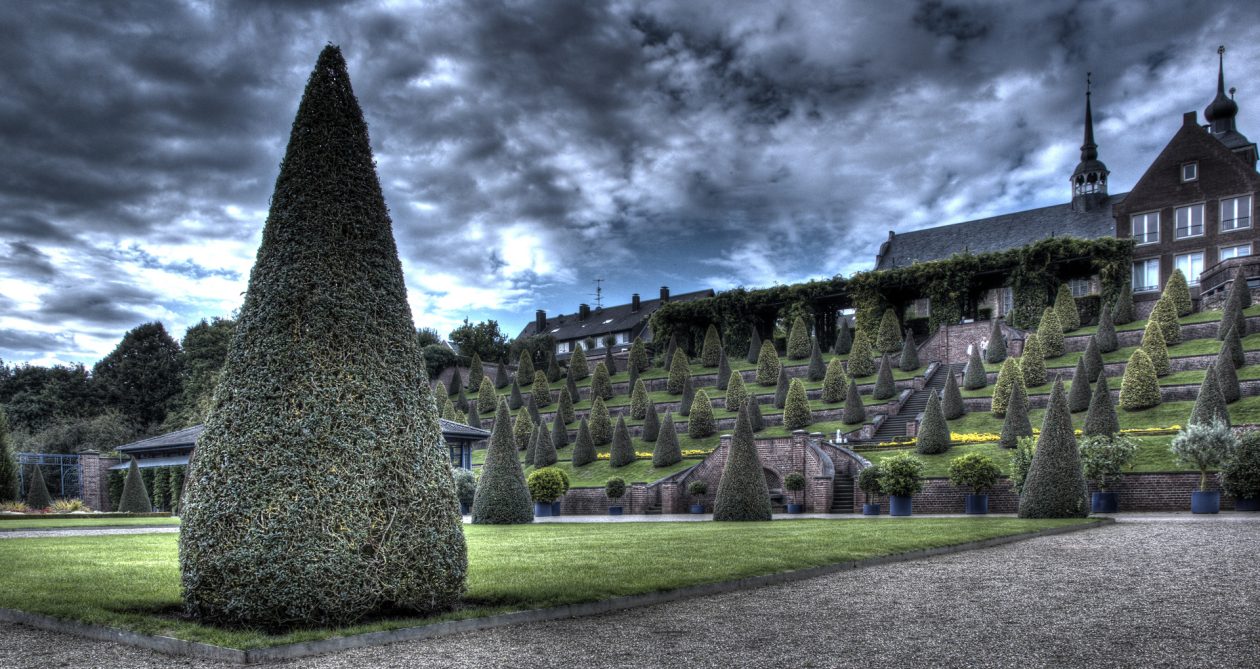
x=86 y=527
x=172 y=646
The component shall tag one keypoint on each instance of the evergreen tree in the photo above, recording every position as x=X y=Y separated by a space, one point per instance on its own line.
x=1106 y=336
x=160 y=492
x=175 y=487
x=1032 y=363
x=135 y=497
x=798 y=340
x=457 y=382
x=1234 y=345
x=1008 y=376
x=1227 y=377
x=609 y=361
x=531 y=451
x=1050 y=334
x=638 y=356
x=670 y=352
x=9 y=482
x=796 y=413
x=975 y=377
x=889 y=339
x=1122 y=313
x=996 y=352
x=651 y=423
x=1078 y=397
x=885 y=387
x=601 y=423
x=1094 y=364
x=700 y=421
x=326 y=281
x=712 y=351
x=1210 y=406
x=553 y=368
x=679 y=374
x=1101 y=419
x=754 y=346
x=1178 y=292
x=476 y=370
x=1244 y=293
x=575 y=395
x=854 y=410
x=633 y=375
x=545 y=449
x=952 y=405
x=1015 y=424
x=1154 y=347
x=141 y=377
x=622 y=451
x=1065 y=309
x=861 y=358
x=601 y=382
x=638 y=401
x=37 y=496
x=501 y=377
x=461 y=401
x=736 y=392
x=689 y=394
x=667 y=451
x=1139 y=389
x=1233 y=316
x=1165 y=314
x=514 y=398
x=742 y=492
x=584 y=447
x=910 y=354
x=559 y=433
x=844 y=339
x=834 y=383
x=817 y=369
x=1055 y=485
x=781 y=388
x=532 y=407
x=578 y=367
x=934 y=432
x=754 y=414
x=767 y=365
x=473 y=417
x=522 y=429
x=487 y=396
x=448 y=408
x=541 y=393
x=525 y=368
x=502 y=497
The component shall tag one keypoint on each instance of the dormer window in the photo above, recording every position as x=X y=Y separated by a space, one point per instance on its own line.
x=1189 y=172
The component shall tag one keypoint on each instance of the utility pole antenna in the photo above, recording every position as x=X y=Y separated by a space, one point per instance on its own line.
x=599 y=291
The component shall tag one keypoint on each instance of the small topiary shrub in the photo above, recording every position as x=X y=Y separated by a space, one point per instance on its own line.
x=37 y=496
x=996 y=351
x=1234 y=345
x=501 y=378
x=834 y=383
x=502 y=497
x=1008 y=375
x=798 y=340
x=817 y=368
x=679 y=374
x=754 y=414
x=712 y=351
x=724 y=372
x=135 y=497
x=565 y=407
x=1139 y=389
x=1122 y=313
x=1015 y=424
x=1240 y=475
x=868 y=481
x=854 y=410
x=546 y=484
x=457 y=382
x=1050 y=334
x=767 y=365
x=601 y=382
x=1227 y=377
x=666 y=443
x=545 y=448
x=1021 y=462
x=736 y=393
x=638 y=359
x=1154 y=347
x=670 y=352
x=952 y=404
x=796 y=412
x=1065 y=309
x=622 y=451
x=487 y=397
x=688 y=396
x=1055 y=487
x=584 y=446
x=1204 y=446
x=1101 y=419
x=700 y=422
x=909 y=354
x=934 y=431
x=742 y=493
x=1106 y=335
x=780 y=390
x=1209 y=406
x=885 y=387
x=532 y=408
x=532 y=448
x=1094 y=365
x=609 y=361
x=638 y=401
x=615 y=488
x=889 y=338
x=579 y=368
x=975 y=472
x=541 y=395
x=1078 y=397
x=1032 y=364
x=465 y=486
x=514 y=397
x=794 y=483
x=600 y=423
x=1178 y=293
x=1105 y=457
x=1165 y=314
x=651 y=423
x=902 y=475
x=525 y=368
x=861 y=358
x=844 y=339
x=754 y=346
x=975 y=377
x=553 y=368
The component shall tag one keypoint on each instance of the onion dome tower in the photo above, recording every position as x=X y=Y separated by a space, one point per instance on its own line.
x=1089 y=180
x=1221 y=114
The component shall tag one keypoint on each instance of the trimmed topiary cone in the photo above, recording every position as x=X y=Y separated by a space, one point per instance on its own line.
x=679 y=374
x=817 y=369
x=854 y=410
x=622 y=451
x=135 y=497
x=1106 y=335
x=798 y=340
x=525 y=369
x=473 y=418
x=700 y=420
x=532 y=449
x=601 y=382
x=457 y=382
x=553 y=368
x=888 y=339
x=385 y=529
x=1101 y=419
x=1234 y=345
x=934 y=432
x=1078 y=397
x=565 y=407
x=670 y=352
x=667 y=451
x=1227 y=377
x=952 y=405
x=1015 y=424
x=844 y=339
x=10 y=485
x=1233 y=316
x=885 y=386
x=834 y=382
x=609 y=361
x=861 y=362
x=1154 y=347
x=767 y=365
x=1055 y=485
x=1165 y=314
x=1210 y=404
x=996 y=352
x=559 y=433
x=600 y=423
x=1007 y=377
x=754 y=346
x=1093 y=360
x=515 y=401
x=736 y=393
x=37 y=496
x=1139 y=389
x=540 y=393
x=476 y=370
x=501 y=378
x=742 y=492
x=754 y=414
x=780 y=390
x=638 y=401
x=545 y=450
x=1178 y=292
x=651 y=423
x=502 y=497
x=583 y=446
x=688 y=396
x=1032 y=364
x=487 y=397
x=1050 y=334
x=909 y=354
x=975 y=377
x=724 y=372
x=579 y=367
x=711 y=354
x=1122 y=313
x=638 y=359
x=796 y=412
x=1065 y=309
x=532 y=408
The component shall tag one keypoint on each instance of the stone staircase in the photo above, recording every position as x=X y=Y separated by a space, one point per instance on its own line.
x=895 y=426
x=842 y=494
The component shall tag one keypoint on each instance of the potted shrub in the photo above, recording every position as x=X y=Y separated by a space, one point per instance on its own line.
x=697 y=490
x=615 y=488
x=1241 y=475
x=1104 y=458
x=794 y=483
x=979 y=473
x=465 y=488
x=1206 y=446
x=902 y=478
x=869 y=482
x=546 y=485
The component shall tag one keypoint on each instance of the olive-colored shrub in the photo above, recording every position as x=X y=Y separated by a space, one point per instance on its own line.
x=798 y=340
x=888 y=339
x=736 y=393
x=579 y=366
x=976 y=472
x=546 y=484
x=601 y=382
x=796 y=412
x=712 y=351
x=1240 y=474
x=615 y=488
x=1008 y=375
x=540 y=392
x=934 y=431
x=1055 y=486
x=1155 y=349
x=861 y=363
x=1178 y=293
x=902 y=475
x=638 y=401
x=767 y=365
x=1050 y=334
x=1101 y=419
x=1032 y=363
x=1205 y=446
x=1065 y=309
x=700 y=422
x=1139 y=389
x=1165 y=314
x=465 y=485
x=834 y=383
x=1104 y=458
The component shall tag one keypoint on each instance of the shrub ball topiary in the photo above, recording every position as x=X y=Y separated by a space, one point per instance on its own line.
x=976 y=472
x=861 y=358
x=854 y=410
x=583 y=446
x=1227 y=377
x=545 y=449
x=844 y=339
x=615 y=488
x=742 y=492
x=1078 y=397
x=601 y=423
x=1065 y=309
x=1139 y=389
x=1178 y=293
x=1032 y=363
x=975 y=377
x=796 y=413
x=754 y=346
x=326 y=282
x=1093 y=360
x=1209 y=405
x=487 y=397
x=1205 y=446
x=996 y=350
x=546 y=484
x=834 y=383
x=515 y=401
x=902 y=475
x=952 y=404
x=601 y=382
x=502 y=496
x=909 y=354
x=780 y=390
x=817 y=368
x=1055 y=487
x=754 y=414
x=679 y=374
x=1122 y=313
x=767 y=365
x=667 y=451
x=1015 y=424
x=1240 y=475
x=934 y=431
x=638 y=359
x=1101 y=419
x=541 y=394
x=1155 y=349
x=868 y=481
x=651 y=423
x=1106 y=335
x=700 y=421
x=1050 y=334
x=798 y=340
x=888 y=339
x=724 y=372
x=1165 y=314
x=885 y=387
x=712 y=350
x=1008 y=375
x=622 y=451
x=638 y=401
x=1234 y=345
x=525 y=369
x=579 y=368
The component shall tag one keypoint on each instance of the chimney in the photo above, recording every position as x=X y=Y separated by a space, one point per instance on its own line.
x=634 y=303
x=1190 y=118
x=540 y=321
x=664 y=294
x=584 y=312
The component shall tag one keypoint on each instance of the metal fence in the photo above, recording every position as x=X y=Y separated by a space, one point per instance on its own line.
x=63 y=474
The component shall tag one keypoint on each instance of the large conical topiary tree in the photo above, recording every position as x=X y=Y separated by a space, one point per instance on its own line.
x=861 y=362
x=834 y=383
x=1106 y=335
x=780 y=389
x=9 y=480
x=1139 y=389
x=1078 y=397
x=501 y=377
x=545 y=449
x=934 y=432
x=583 y=446
x=622 y=451
x=1008 y=376
x=601 y=423
x=724 y=372
x=767 y=365
x=553 y=368
x=711 y=353
x=952 y=404
x=1155 y=348
x=1234 y=345
x=601 y=382
x=888 y=339
x=689 y=395
x=1093 y=360
x=1178 y=292
x=854 y=410
x=975 y=377
x=579 y=368
x=736 y=393
x=700 y=420
x=1055 y=485
x=1122 y=313
x=502 y=497
x=639 y=401
x=1015 y=423
x=1032 y=364
x=1165 y=314
x=844 y=339
x=525 y=369
x=742 y=492
x=385 y=530
x=817 y=368
x=798 y=340
x=1232 y=317
x=1227 y=377
x=638 y=359
x=909 y=354
x=476 y=370
x=796 y=412
x=559 y=433
x=1101 y=419
x=679 y=374
x=885 y=386
x=565 y=407
x=540 y=393
x=1209 y=405
x=532 y=449
x=651 y=423
x=754 y=414
x=996 y=351
x=515 y=401
x=1065 y=309
x=670 y=351
x=754 y=346
x=667 y=451
x=487 y=397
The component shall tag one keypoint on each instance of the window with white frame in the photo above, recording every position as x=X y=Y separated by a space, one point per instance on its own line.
x=1189 y=221
x=1191 y=265
x=1189 y=171
x=563 y=347
x=922 y=307
x=623 y=337
x=1236 y=213
x=1235 y=251
x=1008 y=300
x=1146 y=228
x=1146 y=275
x=1080 y=287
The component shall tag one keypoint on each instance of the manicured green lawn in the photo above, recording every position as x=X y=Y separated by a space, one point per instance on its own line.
x=57 y=521
x=1244 y=411
x=1188 y=377
x=1152 y=456
x=132 y=581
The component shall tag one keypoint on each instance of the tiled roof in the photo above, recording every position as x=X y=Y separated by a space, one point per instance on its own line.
x=566 y=327
x=451 y=429
x=998 y=233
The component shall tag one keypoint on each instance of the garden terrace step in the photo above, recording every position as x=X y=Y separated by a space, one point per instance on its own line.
x=1078 y=342
x=895 y=426
x=842 y=494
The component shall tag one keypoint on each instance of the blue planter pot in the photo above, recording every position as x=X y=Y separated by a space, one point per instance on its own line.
x=796 y=508
x=900 y=505
x=1205 y=502
x=615 y=511
x=1104 y=502
x=555 y=508
x=542 y=509
x=976 y=504
x=870 y=509
x=1247 y=504
x=697 y=508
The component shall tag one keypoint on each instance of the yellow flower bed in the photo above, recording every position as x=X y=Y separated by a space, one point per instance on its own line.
x=989 y=437
x=640 y=455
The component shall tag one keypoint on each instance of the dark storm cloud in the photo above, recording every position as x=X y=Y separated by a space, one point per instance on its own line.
x=32 y=344
x=107 y=303
x=24 y=260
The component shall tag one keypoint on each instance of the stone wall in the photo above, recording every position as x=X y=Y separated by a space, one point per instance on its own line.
x=95 y=479
x=952 y=341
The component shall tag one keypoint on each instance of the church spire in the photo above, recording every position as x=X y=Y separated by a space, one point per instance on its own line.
x=1222 y=110
x=1089 y=180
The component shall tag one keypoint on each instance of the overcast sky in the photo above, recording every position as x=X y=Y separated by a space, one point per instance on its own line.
x=527 y=150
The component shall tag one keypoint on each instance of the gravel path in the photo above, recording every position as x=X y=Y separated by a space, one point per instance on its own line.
x=86 y=531
x=1174 y=592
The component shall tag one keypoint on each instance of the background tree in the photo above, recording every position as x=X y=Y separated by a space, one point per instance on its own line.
x=202 y=352
x=483 y=339
x=934 y=432
x=952 y=404
x=700 y=420
x=9 y=480
x=1065 y=309
x=798 y=340
x=141 y=377
x=767 y=365
x=424 y=337
x=796 y=413
x=975 y=376
x=1050 y=334
x=889 y=338
x=622 y=451
x=583 y=446
x=742 y=492
x=1055 y=486
x=666 y=443
x=996 y=351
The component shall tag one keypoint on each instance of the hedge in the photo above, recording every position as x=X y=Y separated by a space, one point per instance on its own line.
x=1055 y=486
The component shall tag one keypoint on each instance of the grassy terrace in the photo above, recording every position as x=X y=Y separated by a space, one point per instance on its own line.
x=1212 y=316
x=54 y=521
x=1186 y=377
x=1185 y=349
x=132 y=581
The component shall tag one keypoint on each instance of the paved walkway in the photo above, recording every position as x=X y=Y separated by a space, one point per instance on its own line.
x=1150 y=591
